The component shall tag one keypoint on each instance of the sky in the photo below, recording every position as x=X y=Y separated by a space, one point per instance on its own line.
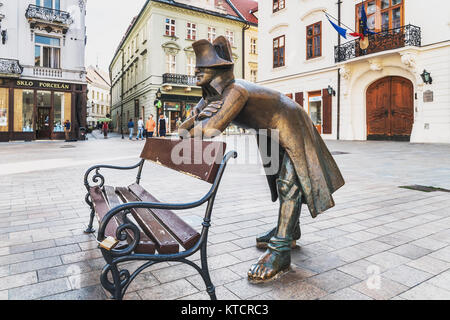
x=106 y=23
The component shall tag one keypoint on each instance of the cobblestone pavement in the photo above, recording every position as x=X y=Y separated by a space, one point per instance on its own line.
x=379 y=242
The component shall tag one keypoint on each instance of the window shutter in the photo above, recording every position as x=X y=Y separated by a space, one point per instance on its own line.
x=327 y=112
x=299 y=98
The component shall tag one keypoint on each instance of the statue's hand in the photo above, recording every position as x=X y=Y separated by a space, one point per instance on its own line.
x=186 y=127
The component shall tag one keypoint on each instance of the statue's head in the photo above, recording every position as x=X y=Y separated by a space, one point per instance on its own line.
x=213 y=59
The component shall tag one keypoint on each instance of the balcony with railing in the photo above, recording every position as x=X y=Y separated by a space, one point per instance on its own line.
x=48 y=18
x=179 y=79
x=404 y=36
x=10 y=68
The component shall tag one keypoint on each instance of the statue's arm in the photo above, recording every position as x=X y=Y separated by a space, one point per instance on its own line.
x=216 y=117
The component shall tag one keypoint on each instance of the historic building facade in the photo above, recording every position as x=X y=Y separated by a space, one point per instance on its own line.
x=155 y=60
x=356 y=93
x=42 y=74
x=98 y=98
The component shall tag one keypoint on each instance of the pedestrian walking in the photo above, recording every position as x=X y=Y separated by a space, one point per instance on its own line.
x=131 y=128
x=162 y=126
x=105 y=129
x=150 y=126
x=67 y=125
x=140 y=129
x=179 y=123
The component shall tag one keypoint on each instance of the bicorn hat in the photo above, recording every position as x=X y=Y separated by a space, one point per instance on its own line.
x=217 y=54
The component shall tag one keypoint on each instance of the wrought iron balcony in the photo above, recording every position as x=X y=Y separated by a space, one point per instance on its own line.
x=10 y=67
x=183 y=79
x=408 y=35
x=48 y=15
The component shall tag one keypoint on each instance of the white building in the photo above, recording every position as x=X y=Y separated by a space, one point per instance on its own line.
x=377 y=93
x=98 y=98
x=42 y=73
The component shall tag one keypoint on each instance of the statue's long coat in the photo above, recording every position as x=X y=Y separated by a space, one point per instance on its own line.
x=251 y=106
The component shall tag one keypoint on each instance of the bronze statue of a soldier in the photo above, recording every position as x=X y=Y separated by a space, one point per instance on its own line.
x=308 y=173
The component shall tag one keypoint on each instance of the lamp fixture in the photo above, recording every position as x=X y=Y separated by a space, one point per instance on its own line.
x=426 y=77
x=331 y=91
x=158 y=94
x=3 y=33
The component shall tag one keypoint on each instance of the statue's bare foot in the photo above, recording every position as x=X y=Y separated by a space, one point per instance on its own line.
x=270 y=266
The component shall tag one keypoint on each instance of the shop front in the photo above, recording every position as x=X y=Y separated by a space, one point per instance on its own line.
x=37 y=110
x=174 y=107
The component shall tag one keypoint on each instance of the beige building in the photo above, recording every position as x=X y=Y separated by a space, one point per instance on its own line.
x=98 y=98
x=155 y=57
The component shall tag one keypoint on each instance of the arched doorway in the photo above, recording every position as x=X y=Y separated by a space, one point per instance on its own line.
x=390 y=109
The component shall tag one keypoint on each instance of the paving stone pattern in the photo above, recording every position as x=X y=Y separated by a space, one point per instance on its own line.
x=379 y=242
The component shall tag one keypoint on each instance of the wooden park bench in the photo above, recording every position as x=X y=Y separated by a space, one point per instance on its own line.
x=135 y=226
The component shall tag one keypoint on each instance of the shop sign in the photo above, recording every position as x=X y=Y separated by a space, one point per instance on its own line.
x=428 y=96
x=42 y=85
x=315 y=99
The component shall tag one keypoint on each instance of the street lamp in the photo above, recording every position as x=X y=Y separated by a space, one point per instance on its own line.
x=426 y=77
x=331 y=91
x=158 y=94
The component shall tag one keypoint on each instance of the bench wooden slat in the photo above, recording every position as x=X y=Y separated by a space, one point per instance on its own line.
x=164 y=241
x=200 y=159
x=182 y=231
x=101 y=208
x=145 y=244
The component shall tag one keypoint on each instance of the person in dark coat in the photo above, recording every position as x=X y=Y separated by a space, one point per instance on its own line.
x=308 y=173
x=162 y=126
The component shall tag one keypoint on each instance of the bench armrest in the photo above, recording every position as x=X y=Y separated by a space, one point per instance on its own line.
x=97 y=177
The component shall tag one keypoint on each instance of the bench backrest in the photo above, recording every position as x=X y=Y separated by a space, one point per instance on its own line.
x=196 y=158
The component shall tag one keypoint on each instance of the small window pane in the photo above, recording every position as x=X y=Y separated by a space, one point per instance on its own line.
x=395 y=2
x=385 y=21
x=371 y=7
x=27 y=111
x=384 y=4
x=317 y=28
x=371 y=22
x=37 y=56
x=282 y=42
x=310 y=31
x=57 y=5
x=47 y=40
x=396 y=18
x=275 y=43
x=48 y=3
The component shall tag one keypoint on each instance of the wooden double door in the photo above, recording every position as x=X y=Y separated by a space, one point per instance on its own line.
x=390 y=109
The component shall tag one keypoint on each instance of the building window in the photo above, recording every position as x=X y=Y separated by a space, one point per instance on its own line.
x=382 y=15
x=52 y=4
x=170 y=27
x=314 y=40
x=58 y=112
x=191 y=31
x=47 y=52
x=230 y=36
x=279 y=52
x=253 y=75
x=253 y=46
x=170 y=63
x=211 y=34
x=191 y=62
x=278 y=5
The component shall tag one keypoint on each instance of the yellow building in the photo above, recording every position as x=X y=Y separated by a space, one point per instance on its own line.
x=155 y=60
